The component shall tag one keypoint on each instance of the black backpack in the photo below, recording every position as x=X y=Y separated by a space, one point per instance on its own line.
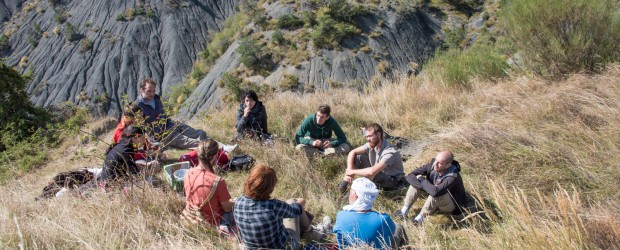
x=69 y=179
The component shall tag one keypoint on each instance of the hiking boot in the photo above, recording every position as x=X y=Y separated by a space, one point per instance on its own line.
x=342 y=187
x=229 y=148
x=399 y=215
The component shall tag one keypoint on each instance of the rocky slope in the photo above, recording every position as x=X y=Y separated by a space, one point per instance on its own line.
x=94 y=52
x=102 y=49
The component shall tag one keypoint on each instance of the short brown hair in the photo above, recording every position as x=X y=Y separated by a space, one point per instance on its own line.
x=260 y=183
x=147 y=81
x=375 y=128
x=324 y=109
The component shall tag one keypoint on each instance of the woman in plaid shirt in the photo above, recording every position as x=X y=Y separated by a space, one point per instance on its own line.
x=262 y=221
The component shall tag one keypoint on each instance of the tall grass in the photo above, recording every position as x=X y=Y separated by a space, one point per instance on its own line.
x=541 y=158
x=458 y=68
x=557 y=37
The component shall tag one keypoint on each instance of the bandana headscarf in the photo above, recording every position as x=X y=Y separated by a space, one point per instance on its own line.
x=366 y=192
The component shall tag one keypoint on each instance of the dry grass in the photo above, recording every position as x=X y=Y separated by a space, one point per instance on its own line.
x=541 y=157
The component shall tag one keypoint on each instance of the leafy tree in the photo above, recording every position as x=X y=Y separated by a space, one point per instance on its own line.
x=20 y=117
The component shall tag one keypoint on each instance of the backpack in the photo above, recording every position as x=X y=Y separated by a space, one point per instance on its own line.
x=239 y=162
x=69 y=179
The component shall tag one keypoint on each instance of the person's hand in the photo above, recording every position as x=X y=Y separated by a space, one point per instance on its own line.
x=317 y=143
x=326 y=144
x=420 y=177
x=300 y=201
x=347 y=178
x=246 y=111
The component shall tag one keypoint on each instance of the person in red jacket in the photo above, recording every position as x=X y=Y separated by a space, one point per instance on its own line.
x=127 y=119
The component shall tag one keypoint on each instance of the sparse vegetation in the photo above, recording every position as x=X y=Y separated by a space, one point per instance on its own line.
x=71 y=33
x=289 y=21
x=288 y=82
x=558 y=37
x=86 y=45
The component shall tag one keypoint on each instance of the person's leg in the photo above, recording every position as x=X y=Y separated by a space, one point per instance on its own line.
x=399 y=238
x=340 y=149
x=309 y=150
x=292 y=225
x=178 y=140
x=385 y=182
x=411 y=197
x=190 y=132
x=362 y=161
x=443 y=203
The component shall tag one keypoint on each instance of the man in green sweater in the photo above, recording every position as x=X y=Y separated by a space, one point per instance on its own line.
x=314 y=135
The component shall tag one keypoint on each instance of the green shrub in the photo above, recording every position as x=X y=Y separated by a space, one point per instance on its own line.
x=277 y=37
x=4 y=43
x=557 y=37
x=289 y=21
x=121 y=17
x=250 y=51
x=235 y=87
x=457 y=68
x=454 y=37
x=197 y=73
x=59 y=16
x=466 y=6
x=71 y=33
x=288 y=82
x=86 y=45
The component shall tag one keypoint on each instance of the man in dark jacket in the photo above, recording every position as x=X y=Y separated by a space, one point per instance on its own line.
x=441 y=180
x=165 y=130
x=314 y=135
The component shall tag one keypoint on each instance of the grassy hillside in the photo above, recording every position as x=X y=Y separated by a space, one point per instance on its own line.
x=542 y=157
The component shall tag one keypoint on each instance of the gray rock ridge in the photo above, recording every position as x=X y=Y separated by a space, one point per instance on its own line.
x=162 y=45
x=8 y=8
x=405 y=39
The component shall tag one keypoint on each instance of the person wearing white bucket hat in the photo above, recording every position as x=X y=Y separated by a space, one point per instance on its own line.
x=358 y=225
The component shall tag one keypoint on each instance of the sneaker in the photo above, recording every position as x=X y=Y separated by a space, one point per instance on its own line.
x=416 y=222
x=327 y=224
x=229 y=148
x=342 y=187
x=399 y=215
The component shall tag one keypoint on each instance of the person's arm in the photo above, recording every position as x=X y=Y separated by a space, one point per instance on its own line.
x=440 y=189
x=340 y=136
x=224 y=196
x=240 y=119
x=424 y=170
x=351 y=161
x=301 y=133
x=368 y=172
x=263 y=120
x=285 y=210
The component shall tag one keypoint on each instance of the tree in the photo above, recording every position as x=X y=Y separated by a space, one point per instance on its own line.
x=20 y=116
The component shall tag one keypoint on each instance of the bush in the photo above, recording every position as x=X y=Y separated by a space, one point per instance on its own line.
x=4 y=44
x=329 y=33
x=288 y=82
x=557 y=37
x=86 y=45
x=120 y=17
x=455 y=68
x=235 y=87
x=71 y=33
x=289 y=21
x=277 y=37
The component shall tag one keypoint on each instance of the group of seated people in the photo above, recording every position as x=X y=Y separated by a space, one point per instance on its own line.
x=263 y=222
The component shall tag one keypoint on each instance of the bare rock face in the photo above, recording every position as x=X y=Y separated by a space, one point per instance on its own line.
x=399 y=42
x=102 y=49
x=8 y=8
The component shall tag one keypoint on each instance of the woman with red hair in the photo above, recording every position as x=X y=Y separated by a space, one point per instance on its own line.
x=264 y=222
